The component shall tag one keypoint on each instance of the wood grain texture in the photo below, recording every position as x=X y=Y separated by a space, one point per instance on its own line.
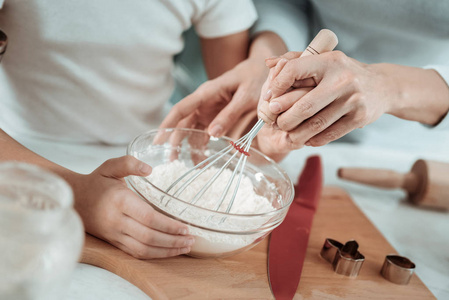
x=244 y=276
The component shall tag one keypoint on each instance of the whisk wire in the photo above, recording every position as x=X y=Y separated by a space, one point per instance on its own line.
x=198 y=172
x=199 y=169
x=228 y=185
x=242 y=146
x=252 y=135
x=212 y=180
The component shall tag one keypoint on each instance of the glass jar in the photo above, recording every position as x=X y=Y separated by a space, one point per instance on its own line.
x=41 y=235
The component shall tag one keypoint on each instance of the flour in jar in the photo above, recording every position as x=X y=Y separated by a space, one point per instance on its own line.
x=215 y=241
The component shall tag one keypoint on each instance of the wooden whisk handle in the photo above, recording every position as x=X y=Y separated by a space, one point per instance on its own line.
x=324 y=41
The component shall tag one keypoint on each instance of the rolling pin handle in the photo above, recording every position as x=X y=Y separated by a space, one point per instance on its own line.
x=382 y=178
x=375 y=177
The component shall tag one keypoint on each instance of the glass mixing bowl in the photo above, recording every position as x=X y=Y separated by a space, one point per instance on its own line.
x=217 y=234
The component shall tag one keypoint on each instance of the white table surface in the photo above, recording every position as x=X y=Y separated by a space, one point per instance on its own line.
x=419 y=234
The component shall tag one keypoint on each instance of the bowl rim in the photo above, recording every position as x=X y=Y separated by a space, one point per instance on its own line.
x=257 y=230
x=274 y=163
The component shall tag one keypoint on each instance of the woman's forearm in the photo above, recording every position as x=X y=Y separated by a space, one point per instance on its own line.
x=418 y=94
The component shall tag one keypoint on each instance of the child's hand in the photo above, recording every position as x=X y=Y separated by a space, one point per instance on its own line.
x=112 y=212
x=219 y=103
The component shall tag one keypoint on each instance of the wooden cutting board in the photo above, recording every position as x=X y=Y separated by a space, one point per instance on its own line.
x=244 y=276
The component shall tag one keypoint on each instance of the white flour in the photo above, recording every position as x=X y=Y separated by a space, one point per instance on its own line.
x=210 y=242
x=246 y=200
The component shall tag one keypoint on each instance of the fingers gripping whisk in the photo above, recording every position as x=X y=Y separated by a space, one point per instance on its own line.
x=238 y=148
x=324 y=41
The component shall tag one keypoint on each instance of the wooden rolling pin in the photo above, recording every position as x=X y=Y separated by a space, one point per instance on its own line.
x=427 y=183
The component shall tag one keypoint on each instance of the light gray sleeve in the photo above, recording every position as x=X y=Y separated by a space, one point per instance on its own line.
x=443 y=70
x=286 y=18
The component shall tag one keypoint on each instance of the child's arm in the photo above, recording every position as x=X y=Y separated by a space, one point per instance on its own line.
x=109 y=209
x=223 y=53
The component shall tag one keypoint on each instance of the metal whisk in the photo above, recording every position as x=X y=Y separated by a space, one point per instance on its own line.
x=324 y=41
x=242 y=146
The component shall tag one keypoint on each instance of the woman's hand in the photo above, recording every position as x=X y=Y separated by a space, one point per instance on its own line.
x=348 y=95
x=112 y=212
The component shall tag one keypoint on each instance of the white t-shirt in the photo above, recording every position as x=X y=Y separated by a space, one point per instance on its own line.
x=99 y=71
x=407 y=32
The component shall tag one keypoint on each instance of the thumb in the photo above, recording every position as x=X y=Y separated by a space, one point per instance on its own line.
x=124 y=166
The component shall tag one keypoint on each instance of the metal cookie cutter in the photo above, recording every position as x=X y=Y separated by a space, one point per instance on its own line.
x=3 y=43
x=345 y=259
x=397 y=269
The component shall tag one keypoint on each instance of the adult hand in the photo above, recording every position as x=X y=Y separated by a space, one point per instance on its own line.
x=348 y=95
x=275 y=142
x=218 y=103
x=112 y=212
